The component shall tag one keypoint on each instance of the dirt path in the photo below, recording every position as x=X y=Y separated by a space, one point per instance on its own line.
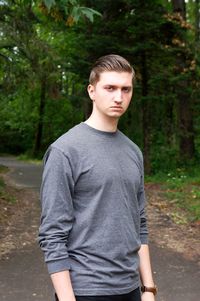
x=174 y=248
x=181 y=238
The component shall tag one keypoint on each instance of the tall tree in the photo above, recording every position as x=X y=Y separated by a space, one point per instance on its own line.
x=197 y=20
x=185 y=113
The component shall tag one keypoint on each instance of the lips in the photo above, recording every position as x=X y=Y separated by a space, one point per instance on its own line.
x=116 y=107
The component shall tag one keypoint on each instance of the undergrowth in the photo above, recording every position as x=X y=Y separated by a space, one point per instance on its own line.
x=181 y=188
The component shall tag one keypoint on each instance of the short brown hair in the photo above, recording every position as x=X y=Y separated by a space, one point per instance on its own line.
x=110 y=62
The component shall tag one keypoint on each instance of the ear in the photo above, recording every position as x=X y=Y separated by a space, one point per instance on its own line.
x=91 y=91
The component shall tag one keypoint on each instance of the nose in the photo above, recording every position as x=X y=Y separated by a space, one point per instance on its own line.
x=118 y=96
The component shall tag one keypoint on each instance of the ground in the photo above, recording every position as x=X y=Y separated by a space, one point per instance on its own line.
x=168 y=228
x=19 y=219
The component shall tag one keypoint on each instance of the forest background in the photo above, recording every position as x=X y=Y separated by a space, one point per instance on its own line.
x=46 y=51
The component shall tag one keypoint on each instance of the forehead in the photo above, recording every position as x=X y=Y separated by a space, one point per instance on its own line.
x=115 y=78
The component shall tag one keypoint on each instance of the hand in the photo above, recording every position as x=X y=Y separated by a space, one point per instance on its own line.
x=147 y=296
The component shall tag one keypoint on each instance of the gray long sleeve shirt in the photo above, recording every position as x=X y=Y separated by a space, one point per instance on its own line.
x=93 y=219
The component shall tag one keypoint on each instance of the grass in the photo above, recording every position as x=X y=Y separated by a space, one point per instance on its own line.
x=4 y=195
x=3 y=169
x=24 y=157
x=182 y=189
x=2 y=184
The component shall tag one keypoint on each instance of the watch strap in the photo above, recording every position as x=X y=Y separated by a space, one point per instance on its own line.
x=152 y=289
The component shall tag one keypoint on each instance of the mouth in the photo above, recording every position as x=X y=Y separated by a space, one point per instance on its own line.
x=116 y=108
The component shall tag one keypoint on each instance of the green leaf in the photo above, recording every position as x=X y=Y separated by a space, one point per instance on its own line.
x=73 y=2
x=75 y=14
x=89 y=13
x=79 y=11
x=49 y=3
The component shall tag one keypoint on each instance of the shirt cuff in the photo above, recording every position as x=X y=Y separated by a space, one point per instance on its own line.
x=58 y=266
x=144 y=239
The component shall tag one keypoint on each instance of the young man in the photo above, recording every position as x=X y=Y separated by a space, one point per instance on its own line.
x=93 y=227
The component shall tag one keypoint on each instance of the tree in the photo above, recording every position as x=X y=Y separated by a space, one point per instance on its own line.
x=27 y=37
x=185 y=105
x=197 y=20
x=45 y=64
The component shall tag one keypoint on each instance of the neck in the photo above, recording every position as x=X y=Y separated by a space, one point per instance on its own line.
x=103 y=124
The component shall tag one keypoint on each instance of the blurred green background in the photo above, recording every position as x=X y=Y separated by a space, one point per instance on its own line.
x=47 y=49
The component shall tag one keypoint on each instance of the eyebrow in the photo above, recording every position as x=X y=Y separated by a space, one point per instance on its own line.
x=111 y=85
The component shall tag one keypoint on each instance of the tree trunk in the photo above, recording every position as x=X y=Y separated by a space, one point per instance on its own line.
x=186 y=128
x=185 y=114
x=39 y=130
x=197 y=21
x=145 y=114
x=169 y=124
x=179 y=7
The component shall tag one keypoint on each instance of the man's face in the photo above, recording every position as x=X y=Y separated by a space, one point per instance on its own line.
x=112 y=94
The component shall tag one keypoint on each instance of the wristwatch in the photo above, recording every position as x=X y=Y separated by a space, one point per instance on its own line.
x=152 y=289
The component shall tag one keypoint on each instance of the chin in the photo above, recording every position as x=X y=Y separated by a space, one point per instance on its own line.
x=115 y=115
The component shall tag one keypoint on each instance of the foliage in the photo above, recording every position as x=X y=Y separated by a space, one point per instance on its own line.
x=4 y=195
x=3 y=169
x=68 y=11
x=46 y=51
x=181 y=187
x=33 y=77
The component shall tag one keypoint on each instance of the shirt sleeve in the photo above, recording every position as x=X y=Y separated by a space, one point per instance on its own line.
x=142 y=204
x=57 y=214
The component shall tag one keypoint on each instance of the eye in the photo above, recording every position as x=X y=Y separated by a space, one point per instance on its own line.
x=109 y=88
x=126 y=89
